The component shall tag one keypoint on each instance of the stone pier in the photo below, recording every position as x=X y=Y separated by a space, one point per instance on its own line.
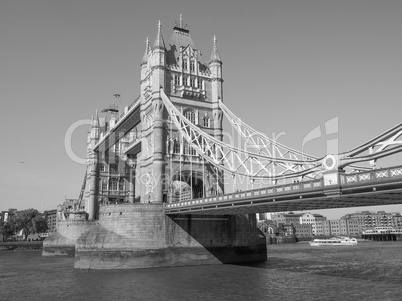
x=130 y=236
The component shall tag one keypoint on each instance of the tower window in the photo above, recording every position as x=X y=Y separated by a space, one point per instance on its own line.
x=121 y=184
x=190 y=115
x=102 y=167
x=205 y=121
x=176 y=146
x=188 y=150
x=104 y=185
x=192 y=66
x=177 y=80
x=113 y=183
x=113 y=167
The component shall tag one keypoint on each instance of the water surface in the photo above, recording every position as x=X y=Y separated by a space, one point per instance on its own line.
x=369 y=271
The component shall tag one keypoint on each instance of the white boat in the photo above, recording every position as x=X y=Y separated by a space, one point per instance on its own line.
x=334 y=241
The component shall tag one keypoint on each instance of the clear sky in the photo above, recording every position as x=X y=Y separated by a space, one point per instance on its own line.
x=288 y=66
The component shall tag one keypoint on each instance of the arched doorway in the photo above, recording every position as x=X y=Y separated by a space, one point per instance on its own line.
x=186 y=186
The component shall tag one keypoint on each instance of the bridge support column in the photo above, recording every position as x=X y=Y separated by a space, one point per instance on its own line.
x=158 y=164
x=131 y=187
x=132 y=163
x=92 y=202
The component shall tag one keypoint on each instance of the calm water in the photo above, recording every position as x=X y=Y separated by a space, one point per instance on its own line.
x=369 y=271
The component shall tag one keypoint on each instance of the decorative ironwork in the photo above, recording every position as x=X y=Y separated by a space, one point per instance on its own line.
x=236 y=161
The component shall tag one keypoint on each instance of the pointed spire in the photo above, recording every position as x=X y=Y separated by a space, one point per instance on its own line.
x=215 y=54
x=95 y=120
x=159 y=43
x=146 y=53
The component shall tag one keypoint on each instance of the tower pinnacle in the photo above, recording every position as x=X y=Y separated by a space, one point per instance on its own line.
x=159 y=43
x=215 y=54
x=146 y=53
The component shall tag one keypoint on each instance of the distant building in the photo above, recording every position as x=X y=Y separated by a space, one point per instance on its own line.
x=318 y=227
x=51 y=217
x=312 y=224
x=263 y=216
x=5 y=214
x=315 y=220
x=352 y=226
x=303 y=230
x=326 y=228
x=343 y=227
x=335 y=228
x=369 y=220
x=309 y=218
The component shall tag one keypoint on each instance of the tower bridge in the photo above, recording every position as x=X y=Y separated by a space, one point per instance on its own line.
x=154 y=189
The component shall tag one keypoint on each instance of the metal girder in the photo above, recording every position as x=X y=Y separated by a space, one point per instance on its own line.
x=384 y=145
x=262 y=144
x=236 y=161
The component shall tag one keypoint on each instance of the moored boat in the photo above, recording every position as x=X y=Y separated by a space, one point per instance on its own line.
x=334 y=241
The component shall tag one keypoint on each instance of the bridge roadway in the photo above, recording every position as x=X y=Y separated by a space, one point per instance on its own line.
x=336 y=190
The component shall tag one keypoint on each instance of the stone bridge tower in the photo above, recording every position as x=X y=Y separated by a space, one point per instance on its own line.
x=122 y=232
x=170 y=169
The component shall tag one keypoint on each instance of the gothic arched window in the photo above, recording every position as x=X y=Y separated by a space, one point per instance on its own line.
x=121 y=184
x=113 y=183
x=104 y=185
x=206 y=121
x=190 y=115
x=176 y=146
x=188 y=150
x=177 y=80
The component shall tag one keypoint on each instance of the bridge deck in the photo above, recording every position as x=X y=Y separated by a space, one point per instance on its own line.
x=376 y=187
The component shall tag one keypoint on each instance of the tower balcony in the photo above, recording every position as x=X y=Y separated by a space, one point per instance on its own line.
x=189 y=92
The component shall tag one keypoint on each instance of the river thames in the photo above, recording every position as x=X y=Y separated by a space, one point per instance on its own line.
x=368 y=271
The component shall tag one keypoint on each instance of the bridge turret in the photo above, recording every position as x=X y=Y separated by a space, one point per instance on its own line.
x=215 y=66
x=215 y=63
x=92 y=175
x=159 y=49
x=152 y=163
x=95 y=127
x=145 y=58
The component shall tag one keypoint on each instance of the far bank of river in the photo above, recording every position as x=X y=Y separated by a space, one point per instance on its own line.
x=21 y=246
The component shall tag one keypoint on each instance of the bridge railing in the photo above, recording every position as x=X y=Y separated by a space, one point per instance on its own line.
x=284 y=189
x=376 y=175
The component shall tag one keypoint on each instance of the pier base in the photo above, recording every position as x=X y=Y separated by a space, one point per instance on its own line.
x=62 y=242
x=130 y=236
